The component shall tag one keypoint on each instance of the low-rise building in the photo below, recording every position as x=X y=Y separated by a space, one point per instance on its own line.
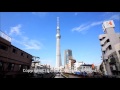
x=12 y=59
x=77 y=65
x=89 y=68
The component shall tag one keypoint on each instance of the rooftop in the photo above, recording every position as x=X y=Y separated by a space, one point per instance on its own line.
x=5 y=36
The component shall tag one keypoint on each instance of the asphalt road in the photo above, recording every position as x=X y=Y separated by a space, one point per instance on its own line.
x=58 y=76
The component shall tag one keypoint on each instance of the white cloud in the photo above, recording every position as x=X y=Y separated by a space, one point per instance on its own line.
x=83 y=27
x=23 y=40
x=96 y=23
x=76 y=14
x=40 y=14
x=108 y=12
x=31 y=44
x=15 y=30
x=115 y=17
x=80 y=28
x=111 y=15
x=86 y=26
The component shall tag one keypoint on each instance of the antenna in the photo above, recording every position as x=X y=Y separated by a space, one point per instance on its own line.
x=57 y=22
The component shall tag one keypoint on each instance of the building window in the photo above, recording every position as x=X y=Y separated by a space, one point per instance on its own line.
x=108 y=40
x=114 y=68
x=14 y=50
x=25 y=67
x=110 y=48
x=1 y=66
x=103 y=38
x=28 y=67
x=3 y=47
x=106 y=60
x=103 y=52
x=10 y=66
x=21 y=54
x=19 y=67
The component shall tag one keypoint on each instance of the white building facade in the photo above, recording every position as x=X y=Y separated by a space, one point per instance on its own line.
x=77 y=65
x=89 y=68
x=110 y=48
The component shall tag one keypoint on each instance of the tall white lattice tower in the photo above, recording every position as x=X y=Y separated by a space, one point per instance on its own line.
x=58 y=54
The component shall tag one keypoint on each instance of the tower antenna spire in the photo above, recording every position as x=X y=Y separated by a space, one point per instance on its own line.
x=58 y=27
x=58 y=54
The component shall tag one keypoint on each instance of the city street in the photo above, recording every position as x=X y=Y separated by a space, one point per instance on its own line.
x=58 y=76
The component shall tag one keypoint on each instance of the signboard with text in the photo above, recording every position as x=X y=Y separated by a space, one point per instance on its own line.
x=108 y=24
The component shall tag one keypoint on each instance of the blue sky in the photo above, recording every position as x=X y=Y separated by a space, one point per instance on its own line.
x=35 y=33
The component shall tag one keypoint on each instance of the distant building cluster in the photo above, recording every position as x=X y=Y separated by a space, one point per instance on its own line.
x=71 y=66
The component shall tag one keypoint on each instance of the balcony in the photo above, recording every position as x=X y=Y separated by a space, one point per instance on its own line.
x=103 y=41
x=105 y=46
x=101 y=36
